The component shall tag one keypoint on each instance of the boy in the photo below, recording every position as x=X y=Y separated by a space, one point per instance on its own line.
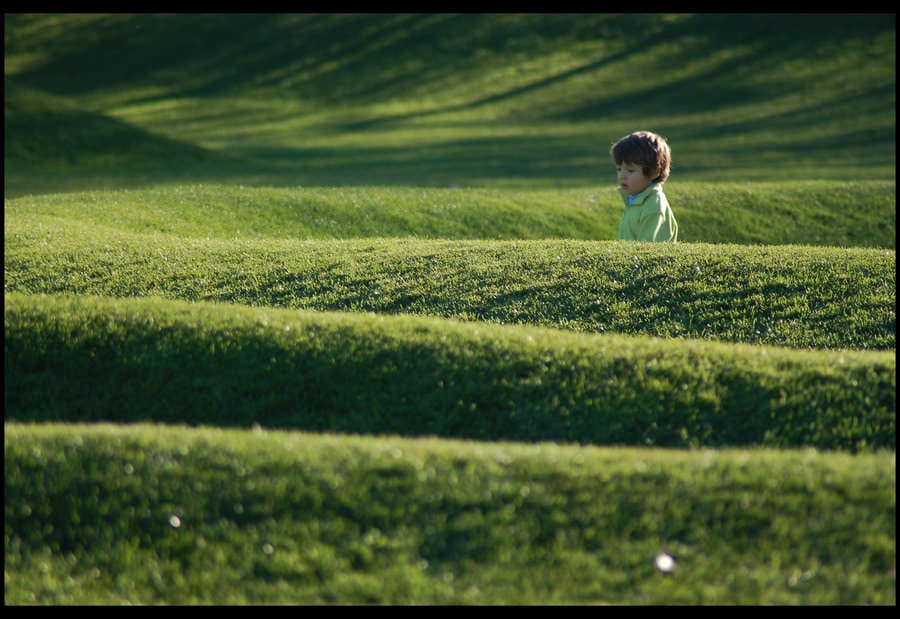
x=642 y=166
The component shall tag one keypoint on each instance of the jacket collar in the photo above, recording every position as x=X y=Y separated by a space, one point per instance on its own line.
x=640 y=198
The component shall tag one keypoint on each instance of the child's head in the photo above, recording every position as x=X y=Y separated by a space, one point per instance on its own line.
x=647 y=150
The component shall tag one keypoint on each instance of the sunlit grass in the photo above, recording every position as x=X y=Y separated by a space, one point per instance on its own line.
x=401 y=225
x=845 y=214
x=508 y=101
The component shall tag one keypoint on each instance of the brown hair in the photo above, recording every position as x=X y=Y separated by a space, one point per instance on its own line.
x=646 y=149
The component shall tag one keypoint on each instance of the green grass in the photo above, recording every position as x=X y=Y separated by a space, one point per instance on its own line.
x=444 y=100
x=79 y=358
x=848 y=214
x=796 y=296
x=510 y=257
x=173 y=515
x=383 y=234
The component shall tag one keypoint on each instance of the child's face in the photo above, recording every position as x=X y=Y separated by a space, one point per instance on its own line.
x=631 y=178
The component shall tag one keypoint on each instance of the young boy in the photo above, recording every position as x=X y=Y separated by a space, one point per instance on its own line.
x=642 y=165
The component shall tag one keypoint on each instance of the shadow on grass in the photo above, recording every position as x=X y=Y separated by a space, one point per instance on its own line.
x=367 y=58
x=321 y=56
x=378 y=56
x=48 y=130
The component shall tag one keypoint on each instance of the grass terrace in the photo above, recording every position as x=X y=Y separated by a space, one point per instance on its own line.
x=328 y=309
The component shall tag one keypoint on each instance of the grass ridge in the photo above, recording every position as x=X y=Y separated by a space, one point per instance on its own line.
x=796 y=296
x=371 y=374
x=220 y=224
x=398 y=521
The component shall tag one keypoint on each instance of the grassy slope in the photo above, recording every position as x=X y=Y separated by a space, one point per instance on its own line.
x=850 y=214
x=274 y=247
x=154 y=514
x=505 y=101
x=509 y=100
x=802 y=297
x=81 y=358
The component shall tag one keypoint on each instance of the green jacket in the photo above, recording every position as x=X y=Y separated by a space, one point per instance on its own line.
x=648 y=218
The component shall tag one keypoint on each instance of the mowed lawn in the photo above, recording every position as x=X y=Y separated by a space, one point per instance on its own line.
x=328 y=309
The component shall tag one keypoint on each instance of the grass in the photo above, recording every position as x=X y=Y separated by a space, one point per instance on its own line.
x=796 y=296
x=326 y=309
x=525 y=101
x=217 y=516
x=510 y=257
x=848 y=214
x=92 y=359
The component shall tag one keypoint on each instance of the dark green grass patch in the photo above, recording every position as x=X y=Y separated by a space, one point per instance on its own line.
x=78 y=358
x=172 y=515
x=57 y=133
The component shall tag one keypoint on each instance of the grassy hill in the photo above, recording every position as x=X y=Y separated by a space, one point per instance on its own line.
x=795 y=296
x=148 y=514
x=84 y=358
x=822 y=213
x=470 y=99
x=326 y=309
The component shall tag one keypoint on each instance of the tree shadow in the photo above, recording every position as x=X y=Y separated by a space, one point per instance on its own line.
x=367 y=58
